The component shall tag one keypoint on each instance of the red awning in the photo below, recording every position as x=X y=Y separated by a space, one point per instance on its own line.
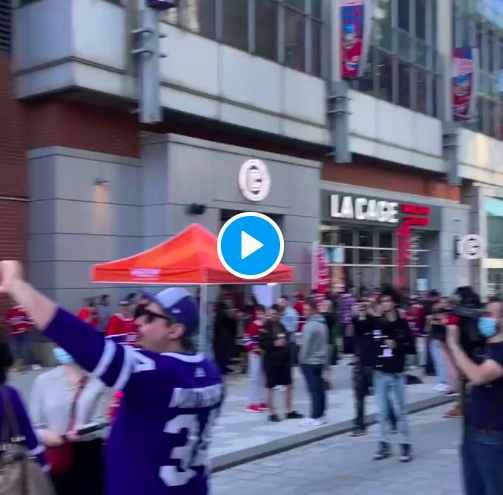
x=188 y=258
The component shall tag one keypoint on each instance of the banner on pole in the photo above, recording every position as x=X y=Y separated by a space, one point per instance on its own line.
x=355 y=20
x=465 y=83
x=403 y=235
x=321 y=276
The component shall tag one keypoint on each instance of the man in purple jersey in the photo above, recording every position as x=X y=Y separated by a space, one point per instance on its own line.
x=159 y=440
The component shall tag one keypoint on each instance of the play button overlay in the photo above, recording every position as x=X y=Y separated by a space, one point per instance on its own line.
x=250 y=245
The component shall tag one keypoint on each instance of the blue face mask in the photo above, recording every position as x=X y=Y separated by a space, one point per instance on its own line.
x=487 y=327
x=62 y=357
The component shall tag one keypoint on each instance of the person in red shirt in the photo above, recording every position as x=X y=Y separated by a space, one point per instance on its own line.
x=299 y=307
x=255 y=362
x=122 y=324
x=88 y=312
x=21 y=326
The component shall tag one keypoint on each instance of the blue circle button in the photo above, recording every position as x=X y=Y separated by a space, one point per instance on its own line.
x=250 y=245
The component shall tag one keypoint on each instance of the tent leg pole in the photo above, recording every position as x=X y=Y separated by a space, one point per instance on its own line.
x=203 y=303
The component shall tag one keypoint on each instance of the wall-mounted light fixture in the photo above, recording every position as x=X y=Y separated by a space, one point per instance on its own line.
x=101 y=182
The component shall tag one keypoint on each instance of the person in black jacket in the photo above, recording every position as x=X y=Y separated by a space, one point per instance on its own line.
x=365 y=320
x=277 y=363
x=392 y=341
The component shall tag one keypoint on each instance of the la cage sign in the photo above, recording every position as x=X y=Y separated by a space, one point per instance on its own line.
x=365 y=209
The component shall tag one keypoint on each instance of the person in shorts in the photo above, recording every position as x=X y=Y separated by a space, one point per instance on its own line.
x=277 y=363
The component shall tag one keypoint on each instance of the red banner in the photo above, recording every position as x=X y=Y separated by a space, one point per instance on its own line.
x=465 y=83
x=355 y=37
x=403 y=235
x=321 y=275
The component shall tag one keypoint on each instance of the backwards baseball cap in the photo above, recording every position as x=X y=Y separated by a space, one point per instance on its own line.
x=178 y=304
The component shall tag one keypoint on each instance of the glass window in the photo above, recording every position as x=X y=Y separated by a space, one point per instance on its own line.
x=297 y=4
x=404 y=85
x=345 y=238
x=316 y=8
x=385 y=239
x=365 y=238
x=385 y=76
x=465 y=29
x=295 y=36
x=366 y=83
x=421 y=19
x=316 y=30
x=421 y=91
x=365 y=257
x=235 y=23
x=403 y=14
x=266 y=40
x=198 y=16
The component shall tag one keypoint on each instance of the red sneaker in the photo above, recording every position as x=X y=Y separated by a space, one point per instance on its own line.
x=253 y=408
x=263 y=407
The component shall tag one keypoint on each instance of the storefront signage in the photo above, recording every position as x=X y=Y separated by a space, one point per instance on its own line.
x=254 y=180
x=372 y=210
x=465 y=82
x=352 y=208
x=356 y=16
x=472 y=247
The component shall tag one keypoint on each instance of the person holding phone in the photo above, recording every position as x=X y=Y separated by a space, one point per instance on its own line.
x=65 y=403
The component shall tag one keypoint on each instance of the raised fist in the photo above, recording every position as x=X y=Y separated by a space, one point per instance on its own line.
x=10 y=273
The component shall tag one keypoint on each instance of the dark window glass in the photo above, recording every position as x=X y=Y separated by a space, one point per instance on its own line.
x=266 y=41
x=421 y=19
x=365 y=238
x=317 y=31
x=198 y=16
x=465 y=29
x=490 y=52
x=365 y=256
x=385 y=240
x=295 y=35
x=433 y=21
x=345 y=238
x=385 y=76
x=404 y=85
x=366 y=83
x=297 y=4
x=493 y=111
x=316 y=8
x=421 y=91
x=433 y=82
x=403 y=14
x=235 y=23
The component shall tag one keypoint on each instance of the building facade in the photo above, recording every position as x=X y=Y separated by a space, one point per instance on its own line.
x=123 y=148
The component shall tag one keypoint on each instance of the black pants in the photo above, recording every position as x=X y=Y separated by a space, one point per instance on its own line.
x=87 y=474
x=348 y=341
x=313 y=373
x=363 y=378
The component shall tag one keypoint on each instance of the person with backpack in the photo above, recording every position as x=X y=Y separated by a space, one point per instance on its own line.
x=23 y=464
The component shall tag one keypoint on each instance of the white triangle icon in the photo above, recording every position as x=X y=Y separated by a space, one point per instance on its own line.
x=248 y=245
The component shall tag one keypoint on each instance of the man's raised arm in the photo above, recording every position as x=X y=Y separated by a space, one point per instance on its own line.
x=110 y=362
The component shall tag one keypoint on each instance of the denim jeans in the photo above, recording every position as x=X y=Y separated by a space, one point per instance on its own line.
x=389 y=391
x=482 y=461
x=313 y=373
x=362 y=383
x=438 y=356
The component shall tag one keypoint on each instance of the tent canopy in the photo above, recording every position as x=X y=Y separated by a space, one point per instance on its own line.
x=190 y=257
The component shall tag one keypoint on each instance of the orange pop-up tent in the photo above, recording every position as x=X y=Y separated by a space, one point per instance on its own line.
x=189 y=258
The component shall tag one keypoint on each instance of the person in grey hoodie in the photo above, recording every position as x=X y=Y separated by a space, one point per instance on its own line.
x=313 y=358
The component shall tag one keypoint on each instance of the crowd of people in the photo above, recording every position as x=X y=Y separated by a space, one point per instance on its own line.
x=111 y=368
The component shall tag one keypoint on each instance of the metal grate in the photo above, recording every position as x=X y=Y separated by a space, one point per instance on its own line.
x=5 y=25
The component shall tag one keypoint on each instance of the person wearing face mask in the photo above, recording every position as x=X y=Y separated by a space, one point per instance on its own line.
x=65 y=401
x=482 y=446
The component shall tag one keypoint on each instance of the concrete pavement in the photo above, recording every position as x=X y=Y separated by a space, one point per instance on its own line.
x=344 y=465
x=240 y=436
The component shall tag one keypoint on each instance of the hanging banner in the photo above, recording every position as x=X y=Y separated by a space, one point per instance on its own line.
x=356 y=16
x=321 y=276
x=403 y=235
x=465 y=83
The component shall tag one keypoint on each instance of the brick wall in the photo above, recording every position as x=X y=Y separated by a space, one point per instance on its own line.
x=13 y=174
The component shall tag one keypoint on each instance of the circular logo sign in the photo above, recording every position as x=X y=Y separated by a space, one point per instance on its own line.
x=472 y=247
x=254 y=180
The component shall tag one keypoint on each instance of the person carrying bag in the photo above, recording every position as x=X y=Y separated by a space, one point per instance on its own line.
x=20 y=474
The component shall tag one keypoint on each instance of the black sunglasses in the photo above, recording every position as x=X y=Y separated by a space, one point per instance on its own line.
x=151 y=316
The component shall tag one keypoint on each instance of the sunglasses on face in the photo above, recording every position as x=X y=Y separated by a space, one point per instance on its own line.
x=150 y=316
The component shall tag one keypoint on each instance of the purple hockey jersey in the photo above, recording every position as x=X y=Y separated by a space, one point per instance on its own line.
x=159 y=440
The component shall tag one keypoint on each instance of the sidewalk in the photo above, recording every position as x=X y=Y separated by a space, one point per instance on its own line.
x=240 y=436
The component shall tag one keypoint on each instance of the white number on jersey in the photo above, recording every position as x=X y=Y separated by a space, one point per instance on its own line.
x=191 y=455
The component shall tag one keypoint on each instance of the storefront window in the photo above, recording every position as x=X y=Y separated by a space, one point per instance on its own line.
x=266 y=37
x=494 y=215
x=235 y=23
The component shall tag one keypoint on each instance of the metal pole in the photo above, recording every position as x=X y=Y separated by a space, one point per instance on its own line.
x=203 y=330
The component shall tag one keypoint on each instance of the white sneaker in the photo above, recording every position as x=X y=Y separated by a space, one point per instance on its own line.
x=36 y=367
x=310 y=422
